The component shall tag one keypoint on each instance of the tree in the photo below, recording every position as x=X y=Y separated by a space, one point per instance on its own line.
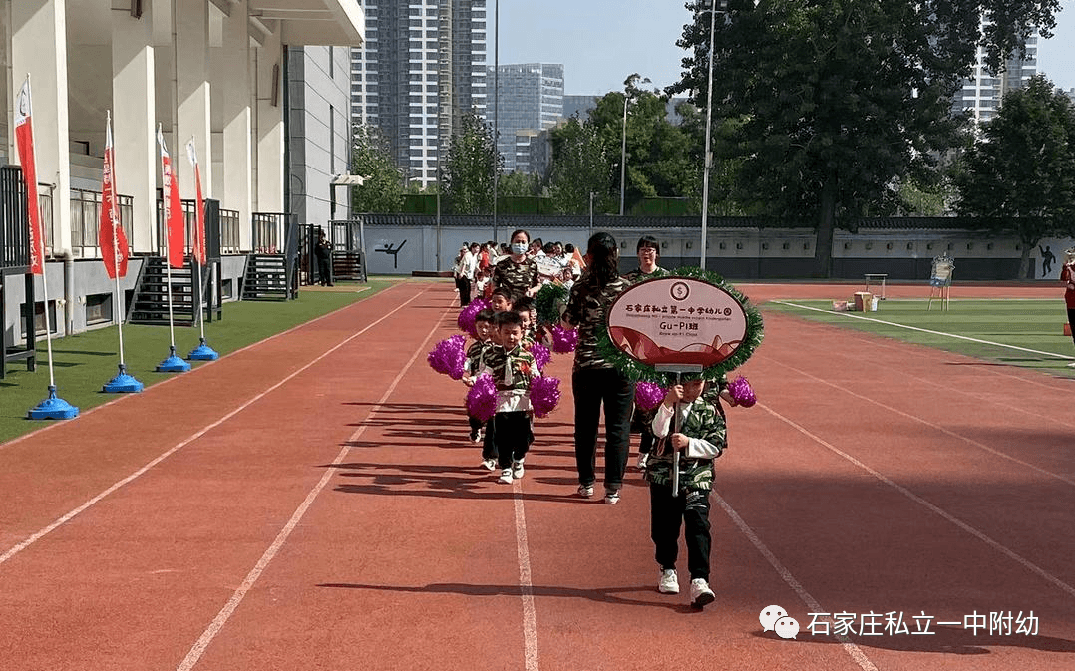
x=1020 y=175
x=472 y=162
x=581 y=165
x=519 y=184
x=382 y=190
x=843 y=99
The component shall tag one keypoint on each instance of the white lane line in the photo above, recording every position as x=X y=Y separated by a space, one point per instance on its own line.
x=931 y=425
x=199 y=647
x=1026 y=563
x=813 y=604
x=123 y=397
x=526 y=583
x=33 y=538
x=922 y=330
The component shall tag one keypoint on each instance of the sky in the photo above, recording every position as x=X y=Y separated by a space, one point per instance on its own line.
x=602 y=42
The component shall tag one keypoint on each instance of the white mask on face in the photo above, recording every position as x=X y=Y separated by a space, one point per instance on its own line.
x=519 y=247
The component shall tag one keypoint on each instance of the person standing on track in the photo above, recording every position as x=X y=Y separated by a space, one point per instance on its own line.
x=593 y=380
x=701 y=438
x=1067 y=275
x=513 y=370
x=518 y=273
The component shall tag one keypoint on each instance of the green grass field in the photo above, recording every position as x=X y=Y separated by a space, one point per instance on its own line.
x=83 y=363
x=1002 y=324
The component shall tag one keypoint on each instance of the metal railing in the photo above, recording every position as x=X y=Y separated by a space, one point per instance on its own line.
x=86 y=221
x=229 y=231
x=268 y=232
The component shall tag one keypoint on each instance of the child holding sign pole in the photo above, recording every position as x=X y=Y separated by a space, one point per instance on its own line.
x=680 y=473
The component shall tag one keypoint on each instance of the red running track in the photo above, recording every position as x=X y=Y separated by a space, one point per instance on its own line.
x=312 y=502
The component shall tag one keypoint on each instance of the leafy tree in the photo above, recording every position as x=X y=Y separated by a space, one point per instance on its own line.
x=843 y=99
x=382 y=190
x=581 y=164
x=519 y=184
x=1020 y=175
x=471 y=164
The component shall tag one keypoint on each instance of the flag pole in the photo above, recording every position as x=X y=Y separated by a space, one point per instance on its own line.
x=52 y=407
x=203 y=352
x=173 y=364
x=122 y=382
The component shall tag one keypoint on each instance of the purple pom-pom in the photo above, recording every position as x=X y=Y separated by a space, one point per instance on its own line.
x=564 y=340
x=648 y=395
x=741 y=392
x=541 y=354
x=481 y=399
x=449 y=356
x=544 y=395
x=468 y=314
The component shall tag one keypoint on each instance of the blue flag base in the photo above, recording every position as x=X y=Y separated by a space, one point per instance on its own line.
x=173 y=364
x=203 y=352
x=123 y=383
x=53 y=408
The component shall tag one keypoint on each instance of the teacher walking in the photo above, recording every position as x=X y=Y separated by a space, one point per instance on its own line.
x=594 y=381
x=518 y=272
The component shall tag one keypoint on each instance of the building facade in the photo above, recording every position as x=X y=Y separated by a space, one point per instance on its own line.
x=982 y=92
x=421 y=68
x=530 y=99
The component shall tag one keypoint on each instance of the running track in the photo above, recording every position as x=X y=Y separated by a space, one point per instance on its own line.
x=311 y=502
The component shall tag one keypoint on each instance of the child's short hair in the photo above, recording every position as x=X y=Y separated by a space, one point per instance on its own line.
x=508 y=318
x=505 y=292
x=523 y=304
x=487 y=315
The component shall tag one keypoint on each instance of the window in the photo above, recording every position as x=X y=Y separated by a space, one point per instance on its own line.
x=98 y=309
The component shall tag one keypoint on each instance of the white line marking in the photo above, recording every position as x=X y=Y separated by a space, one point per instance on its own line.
x=526 y=583
x=142 y=471
x=931 y=425
x=813 y=604
x=123 y=397
x=915 y=328
x=1026 y=563
x=199 y=647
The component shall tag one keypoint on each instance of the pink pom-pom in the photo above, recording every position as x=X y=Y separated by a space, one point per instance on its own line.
x=648 y=395
x=449 y=356
x=468 y=314
x=481 y=399
x=544 y=395
x=541 y=354
x=741 y=392
x=564 y=340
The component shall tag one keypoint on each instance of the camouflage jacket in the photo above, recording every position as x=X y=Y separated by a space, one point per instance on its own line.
x=516 y=277
x=476 y=354
x=637 y=275
x=703 y=422
x=586 y=308
x=512 y=372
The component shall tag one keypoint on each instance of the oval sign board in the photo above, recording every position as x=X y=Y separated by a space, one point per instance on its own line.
x=677 y=320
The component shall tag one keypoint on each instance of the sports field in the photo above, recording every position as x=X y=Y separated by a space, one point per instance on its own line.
x=313 y=501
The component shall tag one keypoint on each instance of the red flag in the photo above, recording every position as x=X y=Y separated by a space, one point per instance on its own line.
x=199 y=206
x=111 y=237
x=173 y=209
x=24 y=139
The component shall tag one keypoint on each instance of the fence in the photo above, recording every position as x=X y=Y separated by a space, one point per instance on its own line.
x=86 y=221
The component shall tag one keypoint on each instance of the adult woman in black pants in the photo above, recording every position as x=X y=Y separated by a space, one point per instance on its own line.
x=593 y=380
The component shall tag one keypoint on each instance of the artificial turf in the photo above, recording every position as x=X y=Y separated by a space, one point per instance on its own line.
x=1003 y=325
x=85 y=362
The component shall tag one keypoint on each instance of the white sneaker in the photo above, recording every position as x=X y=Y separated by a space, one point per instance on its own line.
x=505 y=477
x=517 y=470
x=585 y=491
x=612 y=496
x=701 y=595
x=643 y=460
x=489 y=464
x=476 y=437
x=669 y=583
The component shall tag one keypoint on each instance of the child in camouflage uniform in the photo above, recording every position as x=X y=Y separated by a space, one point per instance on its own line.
x=512 y=369
x=701 y=438
x=475 y=363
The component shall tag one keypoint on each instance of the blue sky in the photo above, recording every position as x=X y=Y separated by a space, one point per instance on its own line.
x=601 y=42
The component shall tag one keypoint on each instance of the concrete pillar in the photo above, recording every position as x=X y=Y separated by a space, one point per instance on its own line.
x=134 y=120
x=269 y=132
x=39 y=47
x=192 y=21
x=236 y=95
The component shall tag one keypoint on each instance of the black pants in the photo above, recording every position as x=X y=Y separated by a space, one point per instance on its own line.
x=1071 y=322
x=691 y=508
x=464 y=291
x=590 y=388
x=324 y=271
x=512 y=436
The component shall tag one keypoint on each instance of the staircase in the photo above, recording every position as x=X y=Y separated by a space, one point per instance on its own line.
x=150 y=304
x=265 y=278
x=348 y=265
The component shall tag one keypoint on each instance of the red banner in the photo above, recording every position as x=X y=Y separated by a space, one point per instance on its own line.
x=174 y=225
x=112 y=238
x=199 y=206
x=24 y=140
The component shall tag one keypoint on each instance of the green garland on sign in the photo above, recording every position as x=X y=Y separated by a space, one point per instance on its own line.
x=638 y=371
x=549 y=301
